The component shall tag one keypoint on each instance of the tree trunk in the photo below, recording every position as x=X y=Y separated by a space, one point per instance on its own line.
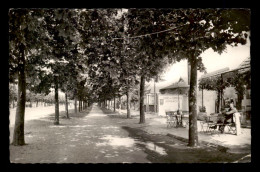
x=202 y=99
x=218 y=101
x=56 y=121
x=138 y=102
x=142 y=115
x=18 y=136
x=36 y=103
x=114 y=103
x=75 y=104
x=154 y=104
x=66 y=105
x=147 y=102
x=193 y=133
x=13 y=104
x=120 y=105
x=128 y=104
x=79 y=105
x=240 y=97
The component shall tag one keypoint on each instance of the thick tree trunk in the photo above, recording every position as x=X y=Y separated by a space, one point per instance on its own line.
x=193 y=133
x=56 y=99
x=18 y=136
x=66 y=105
x=128 y=104
x=142 y=115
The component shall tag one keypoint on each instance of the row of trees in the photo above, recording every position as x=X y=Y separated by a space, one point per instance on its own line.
x=32 y=98
x=101 y=54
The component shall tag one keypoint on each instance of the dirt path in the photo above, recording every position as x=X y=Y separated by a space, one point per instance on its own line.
x=91 y=139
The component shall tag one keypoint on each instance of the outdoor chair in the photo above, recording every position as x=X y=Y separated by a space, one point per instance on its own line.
x=204 y=123
x=231 y=128
x=234 y=127
x=210 y=124
x=171 y=119
x=185 y=120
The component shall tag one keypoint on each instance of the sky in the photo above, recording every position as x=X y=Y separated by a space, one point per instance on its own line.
x=232 y=58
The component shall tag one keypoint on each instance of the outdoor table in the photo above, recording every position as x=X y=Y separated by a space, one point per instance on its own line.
x=173 y=116
x=180 y=120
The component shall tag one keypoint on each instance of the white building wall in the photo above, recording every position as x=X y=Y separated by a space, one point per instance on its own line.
x=185 y=103
x=168 y=102
x=209 y=98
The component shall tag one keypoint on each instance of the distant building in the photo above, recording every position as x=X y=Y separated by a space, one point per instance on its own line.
x=173 y=97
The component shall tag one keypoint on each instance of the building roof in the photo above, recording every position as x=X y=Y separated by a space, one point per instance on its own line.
x=245 y=63
x=176 y=85
x=214 y=73
x=244 y=66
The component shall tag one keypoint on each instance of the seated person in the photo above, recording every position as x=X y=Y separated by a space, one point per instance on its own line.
x=228 y=114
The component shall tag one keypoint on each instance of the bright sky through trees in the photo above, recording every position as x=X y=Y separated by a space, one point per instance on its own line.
x=212 y=61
